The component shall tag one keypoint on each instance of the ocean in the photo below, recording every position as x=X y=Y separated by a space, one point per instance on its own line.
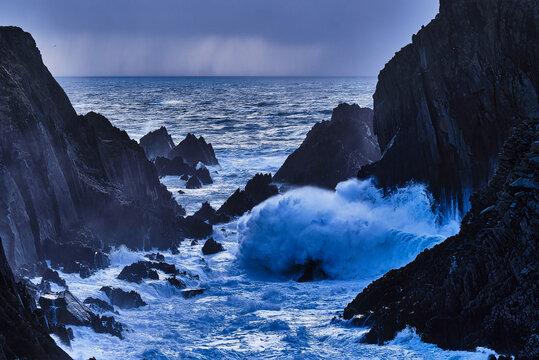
x=252 y=307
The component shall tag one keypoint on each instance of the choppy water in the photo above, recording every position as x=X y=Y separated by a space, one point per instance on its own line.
x=246 y=312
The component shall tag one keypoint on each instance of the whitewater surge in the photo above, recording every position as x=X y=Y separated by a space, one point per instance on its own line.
x=353 y=232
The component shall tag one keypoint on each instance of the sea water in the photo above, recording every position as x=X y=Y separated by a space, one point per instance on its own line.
x=252 y=306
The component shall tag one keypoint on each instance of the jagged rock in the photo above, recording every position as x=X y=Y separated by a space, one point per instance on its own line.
x=258 y=189
x=24 y=333
x=195 y=228
x=65 y=309
x=155 y=257
x=208 y=213
x=174 y=167
x=444 y=104
x=193 y=183
x=189 y=293
x=478 y=288
x=75 y=258
x=53 y=276
x=334 y=150
x=99 y=305
x=64 y=176
x=211 y=247
x=203 y=174
x=194 y=150
x=157 y=143
x=108 y=325
x=123 y=299
x=169 y=269
x=138 y=271
x=176 y=282
x=184 y=177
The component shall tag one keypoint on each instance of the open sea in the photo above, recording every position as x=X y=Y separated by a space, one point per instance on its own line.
x=252 y=307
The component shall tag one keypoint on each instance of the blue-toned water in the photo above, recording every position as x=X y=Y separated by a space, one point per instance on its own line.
x=252 y=307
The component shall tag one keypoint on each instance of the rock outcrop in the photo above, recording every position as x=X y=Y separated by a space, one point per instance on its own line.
x=24 y=334
x=194 y=150
x=445 y=103
x=69 y=178
x=123 y=299
x=333 y=150
x=157 y=143
x=258 y=189
x=480 y=287
x=212 y=247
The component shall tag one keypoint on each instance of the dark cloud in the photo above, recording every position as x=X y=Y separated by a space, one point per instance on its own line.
x=218 y=37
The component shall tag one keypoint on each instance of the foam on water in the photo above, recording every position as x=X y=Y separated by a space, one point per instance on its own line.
x=352 y=232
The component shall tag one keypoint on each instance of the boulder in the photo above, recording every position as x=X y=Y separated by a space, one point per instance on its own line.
x=176 y=282
x=108 y=325
x=189 y=293
x=258 y=189
x=157 y=143
x=333 y=150
x=193 y=183
x=123 y=299
x=211 y=247
x=194 y=150
x=138 y=271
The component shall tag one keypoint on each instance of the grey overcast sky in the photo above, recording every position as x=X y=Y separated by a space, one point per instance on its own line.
x=218 y=37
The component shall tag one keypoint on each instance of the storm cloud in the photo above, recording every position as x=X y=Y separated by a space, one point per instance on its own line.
x=217 y=37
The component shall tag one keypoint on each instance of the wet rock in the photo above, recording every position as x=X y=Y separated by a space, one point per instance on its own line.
x=209 y=214
x=181 y=192
x=442 y=111
x=193 y=183
x=173 y=167
x=53 y=276
x=107 y=325
x=189 y=293
x=157 y=143
x=99 y=305
x=176 y=282
x=523 y=183
x=334 y=150
x=211 y=247
x=194 y=150
x=75 y=258
x=138 y=271
x=478 y=288
x=123 y=299
x=169 y=269
x=195 y=228
x=203 y=174
x=258 y=189
x=155 y=257
x=65 y=309
x=184 y=177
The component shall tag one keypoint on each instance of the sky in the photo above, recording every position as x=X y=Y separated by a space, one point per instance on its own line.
x=218 y=37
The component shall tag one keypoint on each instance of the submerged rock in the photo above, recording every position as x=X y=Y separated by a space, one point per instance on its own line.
x=442 y=111
x=478 y=288
x=155 y=257
x=123 y=299
x=157 y=143
x=174 y=281
x=211 y=247
x=189 y=293
x=258 y=189
x=334 y=150
x=194 y=150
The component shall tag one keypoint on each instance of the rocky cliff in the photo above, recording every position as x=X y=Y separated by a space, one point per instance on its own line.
x=445 y=103
x=157 y=143
x=334 y=150
x=68 y=178
x=480 y=287
x=23 y=334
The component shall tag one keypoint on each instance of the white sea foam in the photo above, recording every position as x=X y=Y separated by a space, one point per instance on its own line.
x=352 y=232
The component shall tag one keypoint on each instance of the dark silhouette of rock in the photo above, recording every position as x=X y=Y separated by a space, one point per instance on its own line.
x=99 y=305
x=123 y=299
x=334 y=150
x=445 y=103
x=478 y=288
x=193 y=183
x=209 y=214
x=157 y=143
x=24 y=331
x=65 y=309
x=64 y=176
x=174 y=167
x=155 y=257
x=138 y=271
x=195 y=228
x=73 y=257
x=211 y=247
x=312 y=272
x=189 y=293
x=53 y=276
x=176 y=282
x=108 y=325
x=184 y=177
x=169 y=269
x=194 y=150
x=258 y=189
x=203 y=174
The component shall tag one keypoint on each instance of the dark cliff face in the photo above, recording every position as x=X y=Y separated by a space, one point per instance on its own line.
x=480 y=287
x=445 y=103
x=334 y=150
x=23 y=333
x=65 y=177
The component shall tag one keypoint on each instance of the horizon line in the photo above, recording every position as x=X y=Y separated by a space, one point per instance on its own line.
x=215 y=76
